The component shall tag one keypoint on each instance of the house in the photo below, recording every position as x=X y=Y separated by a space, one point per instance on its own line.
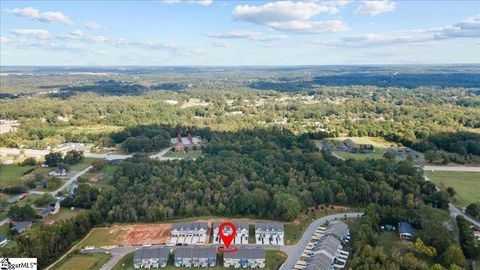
x=189 y=233
x=241 y=236
x=44 y=212
x=3 y=241
x=18 y=197
x=339 y=230
x=406 y=231
x=114 y=161
x=245 y=257
x=22 y=226
x=182 y=143
x=41 y=184
x=197 y=256
x=58 y=172
x=355 y=147
x=55 y=207
x=269 y=234
x=151 y=257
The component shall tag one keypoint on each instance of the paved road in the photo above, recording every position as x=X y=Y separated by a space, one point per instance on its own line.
x=70 y=181
x=451 y=168
x=5 y=221
x=295 y=252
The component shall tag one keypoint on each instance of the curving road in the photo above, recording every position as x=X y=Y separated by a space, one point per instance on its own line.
x=295 y=252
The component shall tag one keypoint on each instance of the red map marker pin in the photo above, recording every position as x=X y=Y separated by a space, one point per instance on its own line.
x=227 y=239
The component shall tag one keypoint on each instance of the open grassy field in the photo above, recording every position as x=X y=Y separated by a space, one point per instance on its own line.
x=91 y=129
x=273 y=259
x=101 y=177
x=380 y=146
x=189 y=154
x=466 y=184
x=63 y=214
x=11 y=175
x=82 y=261
x=81 y=165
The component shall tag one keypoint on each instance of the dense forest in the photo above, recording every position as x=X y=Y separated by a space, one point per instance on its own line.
x=441 y=119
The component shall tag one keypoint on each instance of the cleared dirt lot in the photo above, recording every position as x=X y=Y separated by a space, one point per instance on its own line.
x=134 y=234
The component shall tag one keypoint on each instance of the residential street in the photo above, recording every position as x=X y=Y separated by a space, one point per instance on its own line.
x=294 y=252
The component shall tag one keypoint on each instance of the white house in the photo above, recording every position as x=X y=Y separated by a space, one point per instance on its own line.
x=269 y=234
x=3 y=241
x=58 y=172
x=241 y=236
x=245 y=257
x=189 y=233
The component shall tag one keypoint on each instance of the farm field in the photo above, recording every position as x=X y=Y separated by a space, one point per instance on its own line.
x=273 y=258
x=380 y=146
x=82 y=261
x=187 y=155
x=12 y=174
x=466 y=184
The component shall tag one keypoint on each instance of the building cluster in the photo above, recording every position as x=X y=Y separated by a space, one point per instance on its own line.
x=354 y=147
x=325 y=251
x=198 y=256
x=269 y=234
x=186 y=143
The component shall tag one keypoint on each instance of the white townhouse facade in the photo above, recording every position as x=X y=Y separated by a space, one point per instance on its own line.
x=241 y=237
x=269 y=234
x=189 y=233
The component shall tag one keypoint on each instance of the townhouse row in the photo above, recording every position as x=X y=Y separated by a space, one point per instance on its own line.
x=196 y=233
x=198 y=256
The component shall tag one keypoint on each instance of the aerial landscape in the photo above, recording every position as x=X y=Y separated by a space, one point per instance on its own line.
x=279 y=135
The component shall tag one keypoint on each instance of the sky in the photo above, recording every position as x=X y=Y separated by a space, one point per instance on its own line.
x=213 y=32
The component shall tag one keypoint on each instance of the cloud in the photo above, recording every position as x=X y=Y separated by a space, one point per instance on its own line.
x=374 y=8
x=469 y=28
x=254 y=36
x=34 y=14
x=171 y=47
x=3 y=40
x=220 y=43
x=92 y=26
x=34 y=33
x=291 y=16
x=198 y=2
x=300 y=27
x=282 y=11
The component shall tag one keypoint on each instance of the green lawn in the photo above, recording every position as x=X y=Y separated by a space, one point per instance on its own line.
x=101 y=237
x=273 y=259
x=11 y=175
x=81 y=165
x=106 y=172
x=180 y=154
x=80 y=261
x=466 y=184
x=63 y=214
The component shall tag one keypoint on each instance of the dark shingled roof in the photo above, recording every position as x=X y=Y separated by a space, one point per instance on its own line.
x=185 y=226
x=404 y=227
x=238 y=225
x=246 y=253
x=269 y=226
x=152 y=253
